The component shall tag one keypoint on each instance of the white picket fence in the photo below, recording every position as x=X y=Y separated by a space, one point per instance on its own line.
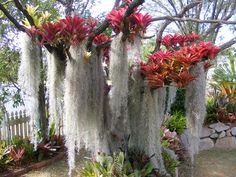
x=15 y=124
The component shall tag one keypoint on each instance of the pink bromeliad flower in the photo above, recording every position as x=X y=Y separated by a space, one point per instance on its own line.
x=115 y=18
x=140 y=22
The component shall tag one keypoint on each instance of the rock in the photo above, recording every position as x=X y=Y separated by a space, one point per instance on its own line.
x=233 y=131
x=219 y=127
x=212 y=125
x=222 y=134
x=206 y=132
x=226 y=142
x=214 y=136
x=228 y=133
x=206 y=144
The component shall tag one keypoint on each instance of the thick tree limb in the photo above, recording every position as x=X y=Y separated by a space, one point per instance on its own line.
x=12 y=19
x=24 y=11
x=228 y=44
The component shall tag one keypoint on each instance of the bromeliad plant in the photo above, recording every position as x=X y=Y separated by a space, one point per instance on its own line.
x=69 y=31
x=137 y=23
x=17 y=154
x=173 y=65
x=116 y=166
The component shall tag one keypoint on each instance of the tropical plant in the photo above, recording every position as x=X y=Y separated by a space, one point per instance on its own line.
x=19 y=142
x=224 y=86
x=114 y=166
x=5 y=159
x=211 y=110
x=176 y=122
x=17 y=154
x=169 y=162
x=173 y=65
x=169 y=139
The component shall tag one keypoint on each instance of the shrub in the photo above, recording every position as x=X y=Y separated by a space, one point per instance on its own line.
x=170 y=163
x=114 y=166
x=25 y=144
x=176 y=122
x=17 y=154
x=5 y=159
x=211 y=111
x=170 y=140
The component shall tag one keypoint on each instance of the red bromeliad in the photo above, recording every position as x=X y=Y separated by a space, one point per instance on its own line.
x=174 y=65
x=179 y=40
x=70 y=30
x=103 y=39
x=140 y=22
x=17 y=154
x=115 y=19
x=137 y=21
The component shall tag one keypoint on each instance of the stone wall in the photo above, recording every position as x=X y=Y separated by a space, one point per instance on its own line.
x=218 y=135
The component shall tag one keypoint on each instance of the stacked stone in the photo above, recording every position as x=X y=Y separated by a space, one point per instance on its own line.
x=218 y=135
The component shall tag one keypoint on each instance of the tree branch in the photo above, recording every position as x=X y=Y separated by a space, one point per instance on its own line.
x=228 y=44
x=174 y=18
x=128 y=12
x=12 y=19
x=24 y=11
x=167 y=22
x=116 y=4
x=105 y=23
x=84 y=7
x=62 y=2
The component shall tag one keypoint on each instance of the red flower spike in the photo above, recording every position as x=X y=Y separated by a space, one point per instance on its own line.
x=91 y=24
x=115 y=18
x=75 y=29
x=147 y=69
x=187 y=56
x=49 y=33
x=182 y=79
x=192 y=37
x=140 y=21
x=155 y=81
x=101 y=38
x=161 y=56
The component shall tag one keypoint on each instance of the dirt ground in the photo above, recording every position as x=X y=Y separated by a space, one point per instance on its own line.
x=212 y=163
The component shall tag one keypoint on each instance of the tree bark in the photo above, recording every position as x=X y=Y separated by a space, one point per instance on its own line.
x=195 y=107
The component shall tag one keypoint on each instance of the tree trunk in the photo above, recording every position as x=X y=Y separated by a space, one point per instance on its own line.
x=118 y=95
x=146 y=111
x=195 y=107
x=84 y=89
